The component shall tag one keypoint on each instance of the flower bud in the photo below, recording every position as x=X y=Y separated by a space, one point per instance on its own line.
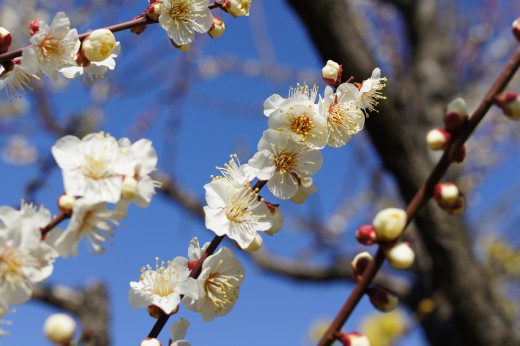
x=59 y=328
x=353 y=339
x=5 y=40
x=217 y=28
x=138 y=30
x=183 y=48
x=462 y=154
x=34 y=26
x=438 y=139
x=400 y=256
x=366 y=235
x=255 y=245
x=150 y=342
x=99 y=45
x=390 y=223
x=277 y=218
x=360 y=263
x=510 y=104
x=458 y=207
x=304 y=190
x=446 y=193
x=516 y=29
x=331 y=73
x=66 y=202
x=456 y=114
x=383 y=300
x=129 y=188
x=192 y=263
x=154 y=11
x=237 y=8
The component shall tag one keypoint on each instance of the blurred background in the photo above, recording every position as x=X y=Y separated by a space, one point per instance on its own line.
x=199 y=107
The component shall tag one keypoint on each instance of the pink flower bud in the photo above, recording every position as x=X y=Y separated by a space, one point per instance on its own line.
x=331 y=73
x=154 y=11
x=34 y=26
x=400 y=256
x=150 y=342
x=516 y=29
x=359 y=264
x=192 y=263
x=218 y=27
x=138 y=30
x=366 y=235
x=278 y=219
x=438 y=139
x=390 y=223
x=456 y=114
x=353 y=339
x=5 y=40
x=510 y=104
x=383 y=300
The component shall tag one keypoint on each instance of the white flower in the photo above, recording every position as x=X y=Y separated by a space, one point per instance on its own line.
x=370 y=91
x=344 y=119
x=163 y=286
x=284 y=163
x=237 y=8
x=52 y=47
x=16 y=80
x=181 y=18
x=24 y=258
x=220 y=280
x=178 y=331
x=89 y=166
x=235 y=173
x=300 y=92
x=94 y=69
x=235 y=212
x=90 y=220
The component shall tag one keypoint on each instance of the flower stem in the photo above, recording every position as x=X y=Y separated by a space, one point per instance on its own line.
x=54 y=222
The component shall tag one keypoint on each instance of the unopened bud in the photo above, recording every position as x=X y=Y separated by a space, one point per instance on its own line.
x=129 y=188
x=446 y=193
x=5 y=40
x=331 y=73
x=400 y=256
x=456 y=114
x=192 y=263
x=154 y=11
x=255 y=245
x=138 y=30
x=510 y=104
x=277 y=219
x=366 y=235
x=66 y=202
x=59 y=328
x=438 y=139
x=217 y=28
x=516 y=29
x=458 y=207
x=34 y=26
x=237 y=8
x=99 y=45
x=390 y=223
x=359 y=264
x=383 y=300
x=150 y=342
x=353 y=339
x=304 y=190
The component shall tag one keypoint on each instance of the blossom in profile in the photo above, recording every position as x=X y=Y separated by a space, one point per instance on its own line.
x=370 y=91
x=162 y=288
x=16 y=79
x=89 y=166
x=91 y=221
x=89 y=70
x=343 y=118
x=52 y=47
x=182 y=18
x=25 y=258
x=178 y=331
x=284 y=163
x=235 y=212
x=219 y=282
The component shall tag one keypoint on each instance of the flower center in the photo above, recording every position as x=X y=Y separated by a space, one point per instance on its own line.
x=162 y=280
x=11 y=266
x=285 y=162
x=302 y=125
x=221 y=291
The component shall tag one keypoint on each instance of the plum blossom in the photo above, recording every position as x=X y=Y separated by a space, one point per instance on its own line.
x=235 y=173
x=181 y=18
x=370 y=91
x=93 y=69
x=16 y=79
x=300 y=92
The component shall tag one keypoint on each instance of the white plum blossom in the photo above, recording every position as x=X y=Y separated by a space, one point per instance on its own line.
x=89 y=166
x=300 y=92
x=90 y=220
x=162 y=288
x=370 y=91
x=52 y=47
x=235 y=212
x=284 y=163
x=235 y=173
x=93 y=69
x=343 y=118
x=219 y=281
x=24 y=258
x=182 y=18
x=16 y=79
x=178 y=331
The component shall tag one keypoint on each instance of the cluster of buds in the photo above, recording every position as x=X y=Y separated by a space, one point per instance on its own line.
x=455 y=117
x=449 y=198
x=331 y=73
x=509 y=103
x=353 y=339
